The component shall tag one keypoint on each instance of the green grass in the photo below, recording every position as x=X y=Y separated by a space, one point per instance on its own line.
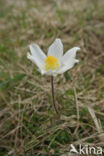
x=28 y=122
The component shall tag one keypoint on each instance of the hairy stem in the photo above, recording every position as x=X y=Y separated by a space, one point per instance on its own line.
x=53 y=95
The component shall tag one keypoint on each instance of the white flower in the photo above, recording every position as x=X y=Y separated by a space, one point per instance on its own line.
x=55 y=62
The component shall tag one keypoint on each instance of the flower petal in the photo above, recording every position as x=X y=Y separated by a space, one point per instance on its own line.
x=37 y=56
x=51 y=73
x=56 y=49
x=68 y=60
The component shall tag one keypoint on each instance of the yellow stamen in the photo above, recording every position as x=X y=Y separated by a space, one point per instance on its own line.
x=51 y=62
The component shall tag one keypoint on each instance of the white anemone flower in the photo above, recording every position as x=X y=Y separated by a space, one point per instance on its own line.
x=55 y=62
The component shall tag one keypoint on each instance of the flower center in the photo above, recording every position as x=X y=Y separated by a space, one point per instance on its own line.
x=51 y=62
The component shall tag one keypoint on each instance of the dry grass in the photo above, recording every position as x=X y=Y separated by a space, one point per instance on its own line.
x=28 y=123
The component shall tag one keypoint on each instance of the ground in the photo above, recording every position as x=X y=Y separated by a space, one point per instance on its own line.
x=28 y=122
